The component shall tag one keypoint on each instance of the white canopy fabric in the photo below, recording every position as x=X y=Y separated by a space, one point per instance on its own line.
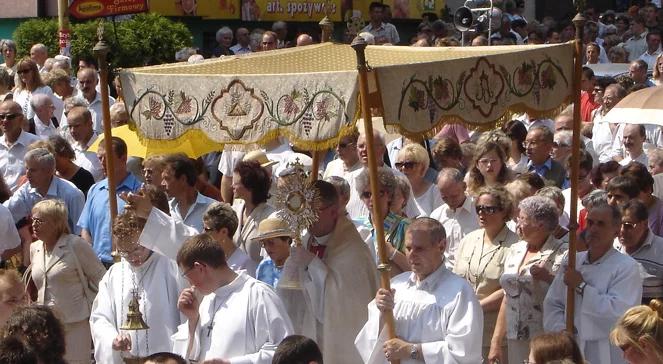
x=310 y=94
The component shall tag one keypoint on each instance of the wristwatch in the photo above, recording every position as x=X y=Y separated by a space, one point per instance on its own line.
x=414 y=353
x=581 y=288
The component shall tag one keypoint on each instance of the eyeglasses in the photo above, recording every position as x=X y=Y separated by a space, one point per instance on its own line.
x=20 y=72
x=8 y=116
x=629 y=225
x=367 y=194
x=560 y=145
x=487 y=161
x=406 y=165
x=37 y=220
x=184 y=274
x=489 y=210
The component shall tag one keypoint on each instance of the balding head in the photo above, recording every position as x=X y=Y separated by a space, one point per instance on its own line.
x=303 y=40
x=39 y=54
x=87 y=81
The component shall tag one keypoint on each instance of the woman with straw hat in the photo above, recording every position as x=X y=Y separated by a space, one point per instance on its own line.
x=275 y=237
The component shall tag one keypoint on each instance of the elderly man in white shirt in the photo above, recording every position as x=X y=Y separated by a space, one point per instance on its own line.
x=606 y=283
x=431 y=294
x=13 y=143
x=457 y=215
x=82 y=133
x=43 y=124
x=604 y=133
x=88 y=80
x=43 y=183
x=633 y=139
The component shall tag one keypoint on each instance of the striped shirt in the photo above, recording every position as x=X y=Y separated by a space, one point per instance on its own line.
x=650 y=258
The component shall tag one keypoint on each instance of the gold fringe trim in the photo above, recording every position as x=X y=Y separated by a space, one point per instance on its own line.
x=197 y=136
x=507 y=116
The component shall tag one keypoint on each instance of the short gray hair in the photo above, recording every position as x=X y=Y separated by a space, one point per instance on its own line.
x=39 y=100
x=432 y=226
x=565 y=136
x=41 y=156
x=386 y=180
x=9 y=44
x=554 y=193
x=541 y=209
x=222 y=31
x=451 y=173
x=403 y=184
x=595 y=197
x=340 y=184
x=655 y=155
x=221 y=215
x=614 y=210
x=75 y=101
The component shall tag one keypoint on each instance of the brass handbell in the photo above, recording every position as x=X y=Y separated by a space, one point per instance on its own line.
x=134 y=319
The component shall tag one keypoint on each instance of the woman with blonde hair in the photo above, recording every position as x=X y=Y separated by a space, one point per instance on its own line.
x=66 y=273
x=657 y=74
x=413 y=162
x=489 y=166
x=481 y=253
x=29 y=83
x=639 y=333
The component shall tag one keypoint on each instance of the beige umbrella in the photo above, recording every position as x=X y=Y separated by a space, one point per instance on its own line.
x=640 y=107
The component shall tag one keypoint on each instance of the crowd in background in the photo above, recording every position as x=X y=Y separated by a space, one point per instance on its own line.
x=483 y=215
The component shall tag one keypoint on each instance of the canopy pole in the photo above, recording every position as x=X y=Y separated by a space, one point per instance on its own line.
x=315 y=165
x=359 y=45
x=101 y=50
x=579 y=22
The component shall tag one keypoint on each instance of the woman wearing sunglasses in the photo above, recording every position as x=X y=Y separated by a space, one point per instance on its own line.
x=529 y=268
x=480 y=256
x=413 y=162
x=29 y=83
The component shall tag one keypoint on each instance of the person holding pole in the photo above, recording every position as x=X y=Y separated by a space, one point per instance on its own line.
x=430 y=294
x=338 y=277
x=606 y=284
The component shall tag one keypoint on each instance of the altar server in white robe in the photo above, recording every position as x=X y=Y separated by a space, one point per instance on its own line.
x=251 y=318
x=158 y=282
x=606 y=282
x=231 y=317
x=338 y=276
x=437 y=315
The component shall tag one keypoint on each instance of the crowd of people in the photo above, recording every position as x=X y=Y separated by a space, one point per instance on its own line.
x=476 y=226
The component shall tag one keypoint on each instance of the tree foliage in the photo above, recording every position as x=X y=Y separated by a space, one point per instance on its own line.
x=145 y=39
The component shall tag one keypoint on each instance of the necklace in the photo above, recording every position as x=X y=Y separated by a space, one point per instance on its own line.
x=479 y=273
x=210 y=326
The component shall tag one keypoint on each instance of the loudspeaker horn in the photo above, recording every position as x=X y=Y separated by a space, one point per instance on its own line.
x=463 y=19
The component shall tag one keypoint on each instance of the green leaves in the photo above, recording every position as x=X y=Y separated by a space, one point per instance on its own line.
x=145 y=39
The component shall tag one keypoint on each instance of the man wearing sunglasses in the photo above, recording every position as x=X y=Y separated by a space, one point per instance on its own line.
x=640 y=243
x=13 y=143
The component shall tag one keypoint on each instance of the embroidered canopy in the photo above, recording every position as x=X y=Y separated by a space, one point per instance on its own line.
x=310 y=94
